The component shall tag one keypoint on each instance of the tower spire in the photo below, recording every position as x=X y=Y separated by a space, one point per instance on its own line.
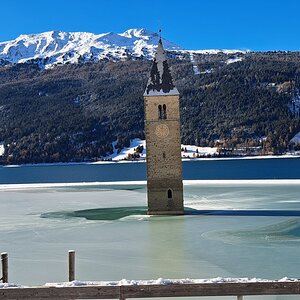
x=160 y=81
x=162 y=133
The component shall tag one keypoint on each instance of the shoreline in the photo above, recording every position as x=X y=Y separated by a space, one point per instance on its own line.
x=284 y=156
x=142 y=184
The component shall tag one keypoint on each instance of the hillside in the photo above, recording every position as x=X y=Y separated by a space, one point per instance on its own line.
x=73 y=112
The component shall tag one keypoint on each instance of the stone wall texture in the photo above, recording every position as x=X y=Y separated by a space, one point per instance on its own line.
x=164 y=166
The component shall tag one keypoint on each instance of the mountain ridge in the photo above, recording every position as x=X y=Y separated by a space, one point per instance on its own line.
x=59 y=47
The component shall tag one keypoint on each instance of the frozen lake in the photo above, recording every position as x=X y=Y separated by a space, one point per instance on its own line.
x=231 y=229
x=238 y=230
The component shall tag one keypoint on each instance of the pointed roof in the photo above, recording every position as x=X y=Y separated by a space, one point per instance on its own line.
x=160 y=82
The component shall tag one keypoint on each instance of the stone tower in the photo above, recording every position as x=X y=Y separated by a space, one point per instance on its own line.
x=162 y=130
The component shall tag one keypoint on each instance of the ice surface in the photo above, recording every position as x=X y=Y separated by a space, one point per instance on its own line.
x=142 y=248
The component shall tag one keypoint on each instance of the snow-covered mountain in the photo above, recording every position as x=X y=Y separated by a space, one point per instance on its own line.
x=58 y=47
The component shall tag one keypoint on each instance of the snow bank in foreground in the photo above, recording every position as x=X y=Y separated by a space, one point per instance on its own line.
x=9 y=285
x=161 y=281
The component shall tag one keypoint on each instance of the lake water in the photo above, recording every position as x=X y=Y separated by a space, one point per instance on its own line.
x=231 y=230
x=279 y=168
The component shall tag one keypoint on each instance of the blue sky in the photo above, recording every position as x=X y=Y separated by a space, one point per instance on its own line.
x=193 y=24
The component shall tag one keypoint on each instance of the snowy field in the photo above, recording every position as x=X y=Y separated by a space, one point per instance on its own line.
x=190 y=151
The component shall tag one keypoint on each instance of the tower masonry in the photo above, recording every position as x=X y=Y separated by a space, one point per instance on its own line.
x=163 y=143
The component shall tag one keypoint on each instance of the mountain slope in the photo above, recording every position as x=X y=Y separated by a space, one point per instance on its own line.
x=58 y=47
x=75 y=111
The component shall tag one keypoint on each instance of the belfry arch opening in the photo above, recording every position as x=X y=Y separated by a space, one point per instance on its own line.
x=164 y=112
x=170 y=194
x=160 y=112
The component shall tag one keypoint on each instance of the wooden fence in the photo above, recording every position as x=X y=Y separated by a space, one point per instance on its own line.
x=152 y=291
x=122 y=292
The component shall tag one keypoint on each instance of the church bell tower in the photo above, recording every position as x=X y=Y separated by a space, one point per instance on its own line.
x=163 y=145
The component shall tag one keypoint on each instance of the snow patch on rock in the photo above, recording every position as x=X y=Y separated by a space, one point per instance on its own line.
x=2 y=149
x=195 y=67
x=296 y=139
x=233 y=60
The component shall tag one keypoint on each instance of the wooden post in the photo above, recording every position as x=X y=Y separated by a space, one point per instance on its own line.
x=239 y=297
x=71 y=265
x=4 y=263
x=121 y=295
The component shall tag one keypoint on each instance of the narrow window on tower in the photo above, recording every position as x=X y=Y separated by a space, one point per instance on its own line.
x=170 y=194
x=164 y=111
x=164 y=155
x=160 y=112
